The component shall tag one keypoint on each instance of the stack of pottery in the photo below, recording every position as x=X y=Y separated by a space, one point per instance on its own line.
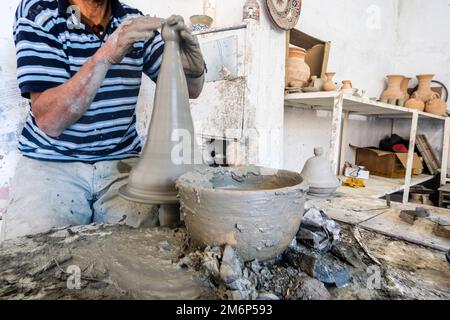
x=329 y=84
x=297 y=71
x=426 y=99
x=319 y=175
x=394 y=93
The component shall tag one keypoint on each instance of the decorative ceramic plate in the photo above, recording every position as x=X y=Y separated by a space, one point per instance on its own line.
x=285 y=13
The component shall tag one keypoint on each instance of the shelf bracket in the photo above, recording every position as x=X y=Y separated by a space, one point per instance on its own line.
x=336 y=133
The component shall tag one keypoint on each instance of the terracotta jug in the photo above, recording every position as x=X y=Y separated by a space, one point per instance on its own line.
x=424 y=91
x=152 y=180
x=319 y=175
x=404 y=86
x=346 y=85
x=415 y=103
x=329 y=84
x=393 y=90
x=436 y=105
x=297 y=71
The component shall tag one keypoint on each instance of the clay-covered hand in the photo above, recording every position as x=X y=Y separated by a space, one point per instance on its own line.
x=132 y=30
x=191 y=54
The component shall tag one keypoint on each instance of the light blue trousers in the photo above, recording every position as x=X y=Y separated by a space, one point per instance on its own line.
x=46 y=195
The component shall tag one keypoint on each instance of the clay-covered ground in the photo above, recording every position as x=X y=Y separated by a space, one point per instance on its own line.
x=116 y=262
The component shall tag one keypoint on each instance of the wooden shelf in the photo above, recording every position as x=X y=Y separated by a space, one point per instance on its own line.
x=221 y=29
x=353 y=105
x=378 y=187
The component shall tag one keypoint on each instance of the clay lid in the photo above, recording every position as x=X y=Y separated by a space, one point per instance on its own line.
x=317 y=171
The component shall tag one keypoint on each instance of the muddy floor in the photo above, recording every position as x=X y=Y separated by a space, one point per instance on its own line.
x=116 y=262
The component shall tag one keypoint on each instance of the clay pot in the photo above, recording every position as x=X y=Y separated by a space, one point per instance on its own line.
x=404 y=86
x=424 y=90
x=393 y=90
x=201 y=22
x=319 y=175
x=415 y=103
x=256 y=210
x=329 y=84
x=297 y=71
x=436 y=105
x=346 y=85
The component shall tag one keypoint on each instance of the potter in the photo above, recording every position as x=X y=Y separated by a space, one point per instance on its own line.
x=79 y=140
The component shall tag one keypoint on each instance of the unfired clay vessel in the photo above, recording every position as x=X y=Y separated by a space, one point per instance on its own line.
x=404 y=86
x=297 y=71
x=256 y=210
x=415 y=103
x=153 y=179
x=319 y=175
x=424 y=90
x=393 y=90
x=436 y=105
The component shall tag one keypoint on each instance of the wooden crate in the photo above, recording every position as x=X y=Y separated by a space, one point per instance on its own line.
x=317 y=50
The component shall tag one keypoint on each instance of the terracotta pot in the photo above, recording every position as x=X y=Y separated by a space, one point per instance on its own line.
x=404 y=86
x=415 y=103
x=393 y=90
x=329 y=84
x=424 y=91
x=436 y=105
x=297 y=71
x=256 y=210
x=346 y=85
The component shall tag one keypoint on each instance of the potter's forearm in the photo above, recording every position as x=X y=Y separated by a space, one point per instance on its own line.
x=57 y=108
x=195 y=86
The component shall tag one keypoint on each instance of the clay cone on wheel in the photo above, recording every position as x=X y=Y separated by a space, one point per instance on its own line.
x=171 y=149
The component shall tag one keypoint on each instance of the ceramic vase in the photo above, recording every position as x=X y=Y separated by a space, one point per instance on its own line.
x=329 y=84
x=415 y=103
x=393 y=90
x=424 y=90
x=404 y=86
x=347 y=86
x=297 y=71
x=436 y=105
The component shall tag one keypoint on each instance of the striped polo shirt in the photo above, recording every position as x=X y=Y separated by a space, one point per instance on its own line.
x=50 y=51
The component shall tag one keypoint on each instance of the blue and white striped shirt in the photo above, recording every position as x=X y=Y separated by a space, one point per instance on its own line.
x=49 y=53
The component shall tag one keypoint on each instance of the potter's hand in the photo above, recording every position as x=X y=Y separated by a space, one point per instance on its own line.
x=132 y=30
x=191 y=54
